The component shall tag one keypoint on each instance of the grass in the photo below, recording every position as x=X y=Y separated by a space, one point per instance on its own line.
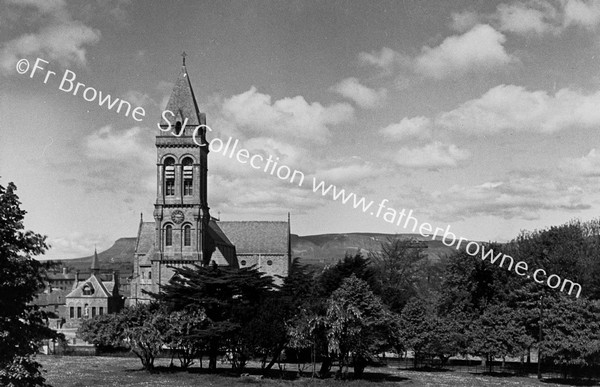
x=78 y=371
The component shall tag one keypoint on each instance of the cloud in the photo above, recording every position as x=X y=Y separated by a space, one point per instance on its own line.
x=60 y=39
x=586 y=166
x=109 y=144
x=365 y=97
x=419 y=127
x=383 y=59
x=287 y=117
x=582 y=13
x=513 y=197
x=76 y=245
x=523 y=18
x=464 y=21
x=348 y=174
x=479 y=49
x=138 y=98
x=432 y=156
x=509 y=107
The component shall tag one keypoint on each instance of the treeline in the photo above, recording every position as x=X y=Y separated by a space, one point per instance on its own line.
x=393 y=300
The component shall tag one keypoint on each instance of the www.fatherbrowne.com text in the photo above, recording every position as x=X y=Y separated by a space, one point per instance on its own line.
x=402 y=218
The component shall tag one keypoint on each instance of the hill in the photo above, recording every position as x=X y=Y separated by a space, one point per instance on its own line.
x=317 y=250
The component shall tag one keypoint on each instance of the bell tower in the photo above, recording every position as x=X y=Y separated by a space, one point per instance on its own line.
x=181 y=211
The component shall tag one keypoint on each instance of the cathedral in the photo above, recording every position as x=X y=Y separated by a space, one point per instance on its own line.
x=183 y=231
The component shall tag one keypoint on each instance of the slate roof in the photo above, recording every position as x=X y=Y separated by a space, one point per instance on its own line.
x=145 y=240
x=101 y=288
x=257 y=237
x=182 y=101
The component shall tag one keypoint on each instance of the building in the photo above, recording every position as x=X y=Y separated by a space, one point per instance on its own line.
x=183 y=231
x=93 y=296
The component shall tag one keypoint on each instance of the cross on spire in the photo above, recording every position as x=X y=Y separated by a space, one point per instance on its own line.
x=183 y=55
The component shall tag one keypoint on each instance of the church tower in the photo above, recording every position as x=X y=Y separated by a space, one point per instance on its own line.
x=181 y=211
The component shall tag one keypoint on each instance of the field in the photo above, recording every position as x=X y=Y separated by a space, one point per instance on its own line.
x=75 y=371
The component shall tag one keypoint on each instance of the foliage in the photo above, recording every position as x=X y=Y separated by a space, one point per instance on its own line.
x=399 y=267
x=22 y=326
x=229 y=297
x=358 y=325
x=141 y=328
x=571 y=331
x=180 y=334
x=332 y=277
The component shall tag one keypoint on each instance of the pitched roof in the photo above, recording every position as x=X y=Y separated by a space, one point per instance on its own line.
x=257 y=237
x=182 y=101
x=145 y=240
x=101 y=288
x=95 y=265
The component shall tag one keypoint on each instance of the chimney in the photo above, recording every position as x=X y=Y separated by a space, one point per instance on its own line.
x=64 y=271
x=115 y=279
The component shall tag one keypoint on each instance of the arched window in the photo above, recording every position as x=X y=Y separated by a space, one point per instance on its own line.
x=177 y=128
x=188 y=176
x=169 y=176
x=187 y=235
x=169 y=235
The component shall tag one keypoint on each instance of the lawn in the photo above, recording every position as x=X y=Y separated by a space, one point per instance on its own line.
x=77 y=371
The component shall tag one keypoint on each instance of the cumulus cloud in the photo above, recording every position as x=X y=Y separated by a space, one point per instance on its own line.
x=509 y=107
x=60 y=38
x=364 y=96
x=479 y=49
x=522 y=18
x=383 y=59
x=432 y=156
x=464 y=21
x=286 y=117
x=582 y=13
x=416 y=127
x=348 y=173
x=77 y=245
x=522 y=197
x=109 y=144
x=586 y=166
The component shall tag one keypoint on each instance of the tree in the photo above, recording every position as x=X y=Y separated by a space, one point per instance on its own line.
x=22 y=326
x=571 y=331
x=416 y=327
x=332 y=277
x=498 y=333
x=141 y=328
x=180 y=335
x=229 y=297
x=399 y=268
x=358 y=325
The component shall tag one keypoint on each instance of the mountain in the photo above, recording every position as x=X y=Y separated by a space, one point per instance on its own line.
x=317 y=250
x=326 y=249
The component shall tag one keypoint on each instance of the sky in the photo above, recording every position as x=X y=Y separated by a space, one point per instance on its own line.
x=478 y=115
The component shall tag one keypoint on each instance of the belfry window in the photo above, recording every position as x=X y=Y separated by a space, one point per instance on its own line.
x=187 y=235
x=169 y=177
x=188 y=176
x=169 y=235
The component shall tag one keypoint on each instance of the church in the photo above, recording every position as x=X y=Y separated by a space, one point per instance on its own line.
x=183 y=231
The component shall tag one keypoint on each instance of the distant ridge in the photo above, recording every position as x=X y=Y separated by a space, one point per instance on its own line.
x=317 y=250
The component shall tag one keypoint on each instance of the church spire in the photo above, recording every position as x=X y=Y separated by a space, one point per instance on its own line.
x=182 y=101
x=95 y=264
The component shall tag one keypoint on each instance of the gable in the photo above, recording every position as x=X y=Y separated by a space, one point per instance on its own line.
x=99 y=289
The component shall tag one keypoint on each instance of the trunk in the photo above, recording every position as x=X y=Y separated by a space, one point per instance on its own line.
x=490 y=360
x=325 y=367
x=415 y=360
x=212 y=356
x=276 y=356
x=359 y=367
